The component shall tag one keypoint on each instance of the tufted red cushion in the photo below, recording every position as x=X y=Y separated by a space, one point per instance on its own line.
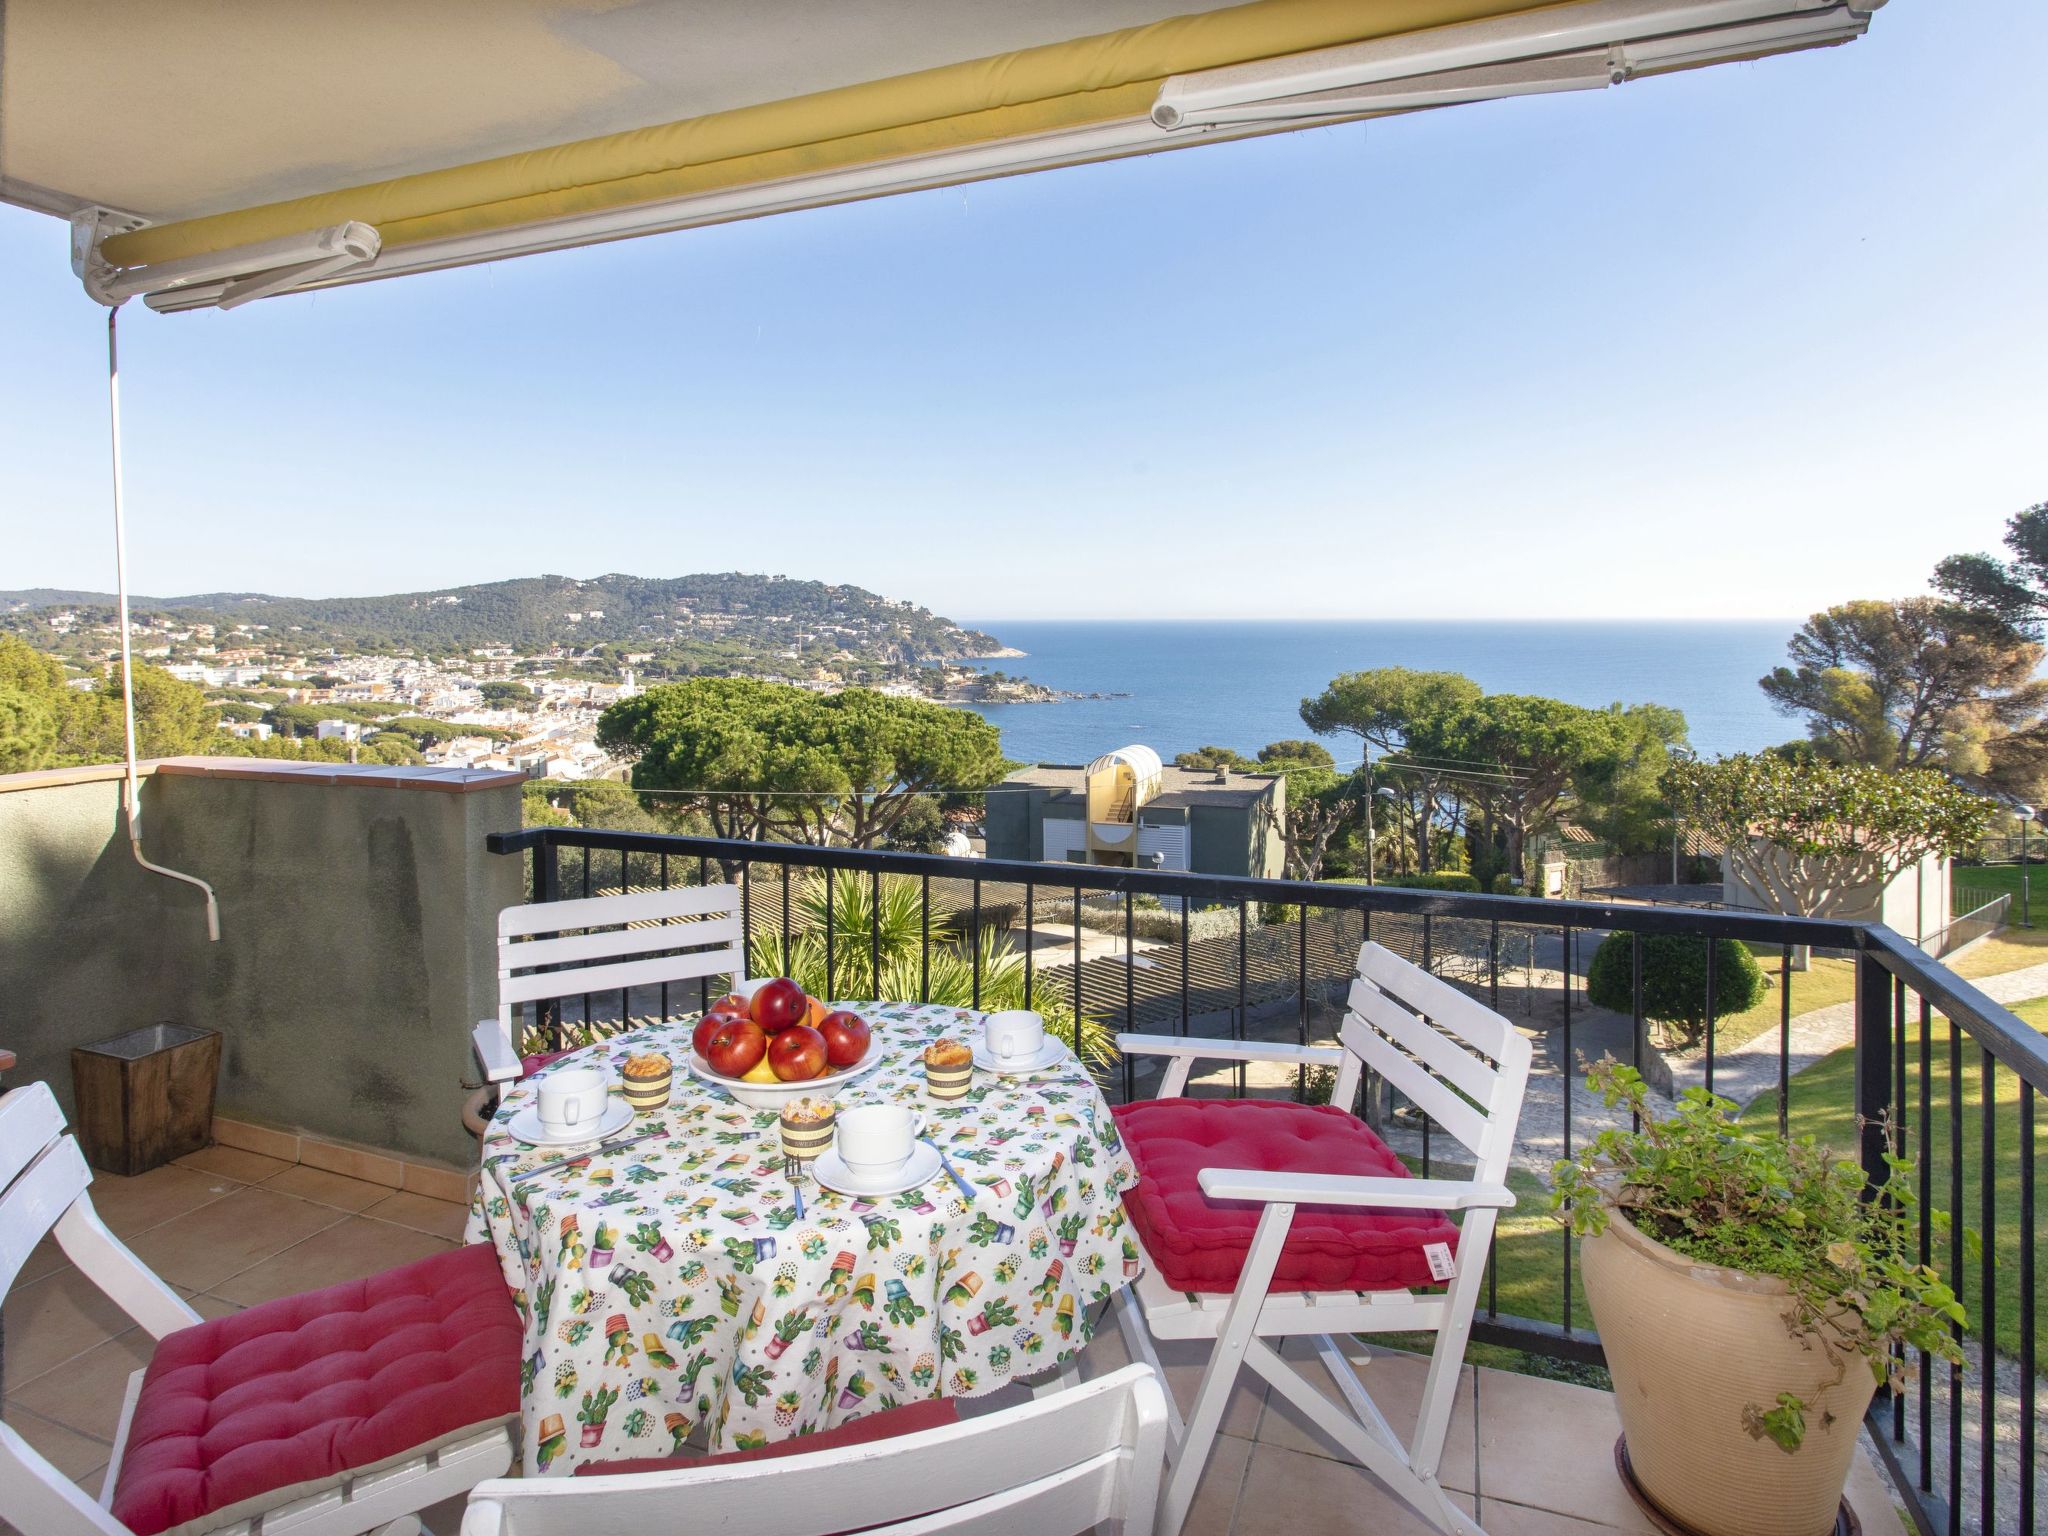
x=925 y=1413
x=528 y=1065
x=257 y=1409
x=1199 y=1244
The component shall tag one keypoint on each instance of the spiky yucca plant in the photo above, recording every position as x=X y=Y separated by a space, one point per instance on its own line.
x=888 y=919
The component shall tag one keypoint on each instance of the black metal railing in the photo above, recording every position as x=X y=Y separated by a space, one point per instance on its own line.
x=1913 y=1057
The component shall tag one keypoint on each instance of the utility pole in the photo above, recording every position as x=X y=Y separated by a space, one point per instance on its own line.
x=1368 y=813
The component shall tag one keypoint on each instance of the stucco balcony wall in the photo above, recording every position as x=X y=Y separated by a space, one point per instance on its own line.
x=356 y=948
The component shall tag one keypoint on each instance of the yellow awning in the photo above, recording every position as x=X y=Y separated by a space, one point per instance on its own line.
x=1071 y=84
x=172 y=114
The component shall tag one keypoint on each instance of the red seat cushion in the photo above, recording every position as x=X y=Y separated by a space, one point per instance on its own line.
x=1199 y=1244
x=528 y=1065
x=257 y=1409
x=925 y=1413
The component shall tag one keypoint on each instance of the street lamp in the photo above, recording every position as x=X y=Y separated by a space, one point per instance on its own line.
x=1382 y=794
x=2026 y=816
x=1678 y=755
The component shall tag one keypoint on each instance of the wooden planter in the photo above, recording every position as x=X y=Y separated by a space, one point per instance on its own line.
x=145 y=1097
x=1689 y=1346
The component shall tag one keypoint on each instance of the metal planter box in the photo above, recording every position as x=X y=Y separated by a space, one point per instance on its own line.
x=145 y=1097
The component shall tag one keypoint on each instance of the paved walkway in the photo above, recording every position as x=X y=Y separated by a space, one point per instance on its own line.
x=1751 y=1069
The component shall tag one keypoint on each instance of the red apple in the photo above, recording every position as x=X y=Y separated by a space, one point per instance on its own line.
x=797 y=1054
x=846 y=1037
x=733 y=1002
x=718 y=1014
x=735 y=1048
x=778 y=1004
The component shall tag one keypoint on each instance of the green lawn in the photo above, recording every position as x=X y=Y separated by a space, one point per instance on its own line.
x=2012 y=950
x=1997 y=879
x=1822 y=1105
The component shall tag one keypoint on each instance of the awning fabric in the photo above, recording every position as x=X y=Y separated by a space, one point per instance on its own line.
x=214 y=153
x=1077 y=83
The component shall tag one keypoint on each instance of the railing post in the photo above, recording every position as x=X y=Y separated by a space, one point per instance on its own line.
x=1873 y=1067
x=547 y=886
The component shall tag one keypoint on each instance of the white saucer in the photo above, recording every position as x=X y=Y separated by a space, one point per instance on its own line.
x=1050 y=1053
x=921 y=1167
x=525 y=1126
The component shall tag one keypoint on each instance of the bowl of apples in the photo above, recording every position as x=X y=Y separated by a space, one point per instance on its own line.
x=771 y=1042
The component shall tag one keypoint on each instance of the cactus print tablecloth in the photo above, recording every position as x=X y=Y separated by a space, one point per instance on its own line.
x=671 y=1286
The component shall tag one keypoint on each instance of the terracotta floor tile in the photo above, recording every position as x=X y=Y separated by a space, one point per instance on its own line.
x=208 y=1307
x=1503 y=1519
x=206 y=1246
x=1218 y=1496
x=324 y=1188
x=46 y=1258
x=1550 y=1445
x=1393 y=1379
x=1184 y=1360
x=85 y=1395
x=1869 y=1495
x=73 y=1454
x=233 y=1163
x=54 y=1319
x=1314 y=1496
x=437 y=1183
x=347 y=1251
x=437 y=1218
x=131 y=1206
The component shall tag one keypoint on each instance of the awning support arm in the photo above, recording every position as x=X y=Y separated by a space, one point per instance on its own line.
x=226 y=278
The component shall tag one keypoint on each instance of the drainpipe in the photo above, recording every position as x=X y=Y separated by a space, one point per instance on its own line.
x=133 y=793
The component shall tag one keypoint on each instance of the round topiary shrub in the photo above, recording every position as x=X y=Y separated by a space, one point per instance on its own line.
x=1675 y=981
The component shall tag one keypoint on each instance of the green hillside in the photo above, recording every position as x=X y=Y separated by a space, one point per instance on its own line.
x=732 y=609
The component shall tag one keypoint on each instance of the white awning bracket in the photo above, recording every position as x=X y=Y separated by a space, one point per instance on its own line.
x=221 y=278
x=1561 y=48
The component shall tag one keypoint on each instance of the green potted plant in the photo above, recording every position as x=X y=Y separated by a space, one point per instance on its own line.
x=1750 y=1300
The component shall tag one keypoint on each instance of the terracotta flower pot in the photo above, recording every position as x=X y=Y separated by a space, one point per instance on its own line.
x=1690 y=1346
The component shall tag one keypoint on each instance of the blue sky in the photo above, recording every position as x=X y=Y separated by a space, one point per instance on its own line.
x=1742 y=343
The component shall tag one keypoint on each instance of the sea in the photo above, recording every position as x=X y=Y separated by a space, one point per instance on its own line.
x=1175 y=686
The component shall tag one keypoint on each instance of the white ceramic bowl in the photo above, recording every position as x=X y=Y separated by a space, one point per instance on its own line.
x=775 y=1095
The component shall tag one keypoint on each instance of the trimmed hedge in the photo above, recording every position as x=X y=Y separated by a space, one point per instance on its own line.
x=1675 y=980
x=1453 y=881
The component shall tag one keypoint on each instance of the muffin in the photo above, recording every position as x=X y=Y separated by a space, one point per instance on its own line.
x=948 y=1068
x=647 y=1080
x=807 y=1125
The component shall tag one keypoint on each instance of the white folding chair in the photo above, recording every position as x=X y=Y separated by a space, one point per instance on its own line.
x=550 y=950
x=168 y=1421
x=1458 y=1062
x=1067 y=1463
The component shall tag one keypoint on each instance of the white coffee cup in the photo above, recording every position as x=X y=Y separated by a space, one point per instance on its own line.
x=1014 y=1036
x=572 y=1098
x=877 y=1138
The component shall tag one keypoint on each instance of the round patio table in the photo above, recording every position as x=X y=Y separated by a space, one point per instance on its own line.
x=671 y=1285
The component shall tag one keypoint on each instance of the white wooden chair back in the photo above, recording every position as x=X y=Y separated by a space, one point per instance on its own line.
x=550 y=950
x=1455 y=1059
x=1068 y=1462
x=43 y=1180
x=616 y=943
